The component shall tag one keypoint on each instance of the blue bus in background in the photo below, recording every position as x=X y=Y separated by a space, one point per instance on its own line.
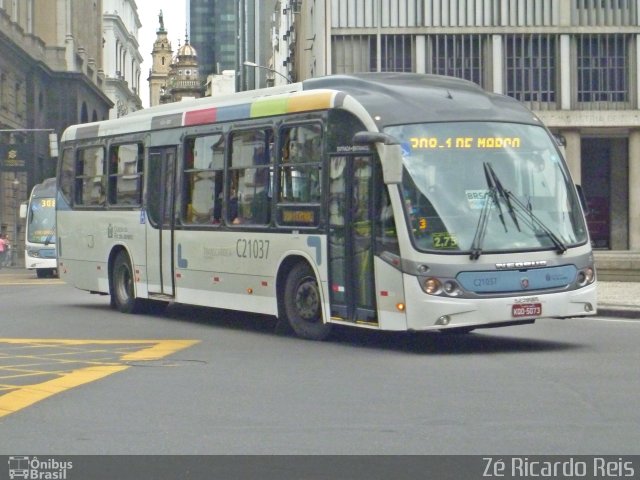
x=40 y=235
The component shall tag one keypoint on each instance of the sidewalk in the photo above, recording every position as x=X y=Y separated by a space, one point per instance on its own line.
x=619 y=299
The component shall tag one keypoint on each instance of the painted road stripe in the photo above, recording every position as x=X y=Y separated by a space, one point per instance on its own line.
x=24 y=396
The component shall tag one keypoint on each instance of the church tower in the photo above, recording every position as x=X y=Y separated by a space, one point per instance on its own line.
x=162 y=58
x=184 y=79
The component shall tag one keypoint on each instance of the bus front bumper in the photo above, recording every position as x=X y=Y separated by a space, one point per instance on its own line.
x=427 y=312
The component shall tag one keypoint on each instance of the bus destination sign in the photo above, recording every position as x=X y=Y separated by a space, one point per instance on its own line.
x=431 y=143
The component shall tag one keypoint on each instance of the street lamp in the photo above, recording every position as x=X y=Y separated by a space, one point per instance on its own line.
x=247 y=63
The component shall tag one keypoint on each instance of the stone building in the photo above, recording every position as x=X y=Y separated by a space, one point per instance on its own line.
x=50 y=77
x=122 y=58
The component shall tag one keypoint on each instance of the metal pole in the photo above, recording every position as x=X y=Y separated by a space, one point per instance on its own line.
x=255 y=65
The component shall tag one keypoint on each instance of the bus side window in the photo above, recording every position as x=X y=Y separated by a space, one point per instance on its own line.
x=67 y=175
x=250 y=178
x=387 y=237
x=90 y=177
x=125 y=176
x=203 y=170
x=300 y=167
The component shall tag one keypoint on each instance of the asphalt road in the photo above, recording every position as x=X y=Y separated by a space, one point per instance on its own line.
x=76 y=377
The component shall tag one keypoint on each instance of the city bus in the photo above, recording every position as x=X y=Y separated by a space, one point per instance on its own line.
x=40 y=233
x=388 y=201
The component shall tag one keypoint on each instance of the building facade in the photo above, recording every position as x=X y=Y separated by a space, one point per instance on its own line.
x=121 y=57
x=213 y=32
x=227 y=34
x=575 y=63
x=50 y=77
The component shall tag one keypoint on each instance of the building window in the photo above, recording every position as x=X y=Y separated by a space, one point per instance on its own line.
x=603 y=69
x=604 y=12
x=396 y=53
x=3 y=90
x=530 y=68
x=18 y=104
x=457 y=56
x=353 y=53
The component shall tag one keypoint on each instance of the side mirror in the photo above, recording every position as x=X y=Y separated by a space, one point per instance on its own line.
x=389 y=151
x=23 y=210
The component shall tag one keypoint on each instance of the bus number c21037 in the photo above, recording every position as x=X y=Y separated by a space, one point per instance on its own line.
x=248 y=248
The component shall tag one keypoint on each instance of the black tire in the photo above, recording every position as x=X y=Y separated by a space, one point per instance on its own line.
x=46 y=272
x=303 y=304
x=122 y=285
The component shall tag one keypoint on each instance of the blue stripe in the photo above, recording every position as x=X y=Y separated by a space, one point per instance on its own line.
x=233 y=112
x=517 y=281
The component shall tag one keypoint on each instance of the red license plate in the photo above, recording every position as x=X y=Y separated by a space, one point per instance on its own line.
x=526 y=310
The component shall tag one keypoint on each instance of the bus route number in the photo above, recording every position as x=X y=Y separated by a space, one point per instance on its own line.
x=252 y=248
x=444 y=240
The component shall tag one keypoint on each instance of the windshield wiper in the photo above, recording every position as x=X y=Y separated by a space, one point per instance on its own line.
x=504 y=194
x=490 y=198
x=525 y=213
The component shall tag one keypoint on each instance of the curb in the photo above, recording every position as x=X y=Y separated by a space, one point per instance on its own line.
x=621 y=311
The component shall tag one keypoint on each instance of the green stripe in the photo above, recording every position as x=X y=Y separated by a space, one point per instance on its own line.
x=265 y=107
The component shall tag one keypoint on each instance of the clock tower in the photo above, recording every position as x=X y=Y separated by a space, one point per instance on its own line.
x=161 y=58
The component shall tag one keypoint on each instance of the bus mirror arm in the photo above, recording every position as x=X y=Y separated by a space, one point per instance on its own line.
x=390 y=154
x=583 y=199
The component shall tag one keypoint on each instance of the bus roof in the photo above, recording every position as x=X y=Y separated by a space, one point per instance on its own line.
x=45 y=189
x=389 y=98
x=401 y=98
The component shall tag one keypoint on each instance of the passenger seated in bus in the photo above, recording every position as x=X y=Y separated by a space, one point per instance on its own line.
x=217 y=210
x=260 y=208
x=233 y=212
x=295 y=152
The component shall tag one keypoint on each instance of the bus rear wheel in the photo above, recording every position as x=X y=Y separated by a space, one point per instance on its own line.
x=122 y=285
x=303 y=304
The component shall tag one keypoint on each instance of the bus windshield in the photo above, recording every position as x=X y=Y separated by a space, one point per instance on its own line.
x=487 y=187
x=41 y=221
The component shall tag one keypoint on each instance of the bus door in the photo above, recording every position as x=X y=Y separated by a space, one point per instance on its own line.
x=351 y=238
x=160 y=224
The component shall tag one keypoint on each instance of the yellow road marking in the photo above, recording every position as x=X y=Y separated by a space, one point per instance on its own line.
x=24 y=396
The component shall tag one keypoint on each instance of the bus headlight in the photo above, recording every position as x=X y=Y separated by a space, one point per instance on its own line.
x=432 y=286
x=451 y=288
x=586 y=276
x=441 y=287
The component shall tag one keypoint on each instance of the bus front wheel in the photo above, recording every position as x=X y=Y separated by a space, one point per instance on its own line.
x=122 y=285
x=303 y=304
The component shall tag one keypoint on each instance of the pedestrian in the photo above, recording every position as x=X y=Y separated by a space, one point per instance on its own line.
x=4 y=247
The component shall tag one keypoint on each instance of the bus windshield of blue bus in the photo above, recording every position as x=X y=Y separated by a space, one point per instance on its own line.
x=487 y=186
x=41 y=223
